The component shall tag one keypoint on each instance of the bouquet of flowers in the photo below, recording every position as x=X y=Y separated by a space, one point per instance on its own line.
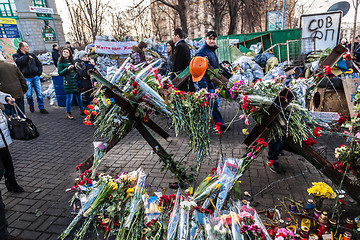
x=321 y=191
x=192 y=113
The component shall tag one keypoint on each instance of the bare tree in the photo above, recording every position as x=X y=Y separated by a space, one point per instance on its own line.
x=180 y=7
x=218 y=10
x=87 y=18
x=233 y=9
x=356 y=4
x=119 y=24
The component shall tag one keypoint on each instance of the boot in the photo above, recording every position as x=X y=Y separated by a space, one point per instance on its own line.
x=13 y=186
x=69 y=116
x=82 y=112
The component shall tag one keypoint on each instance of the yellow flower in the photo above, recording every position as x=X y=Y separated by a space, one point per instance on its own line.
x=321 y=189
x=245 y=131
x=208 y=178
x=114 y=186
x=130 y=190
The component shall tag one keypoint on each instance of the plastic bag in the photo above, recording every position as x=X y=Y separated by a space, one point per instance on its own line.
x=174 y=219
x=99 y=151
x=152 y=209
x=136 y=199
x=229 y=170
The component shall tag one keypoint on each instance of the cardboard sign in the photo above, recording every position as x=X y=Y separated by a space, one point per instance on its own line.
x=323 y=27
x=351 y=84
x=116 y=48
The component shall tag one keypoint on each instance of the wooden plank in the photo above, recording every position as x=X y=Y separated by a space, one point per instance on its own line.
x=325 y=167
x=124 y=104
x=112 y=91
x=171 y=165
x=283 y=99
x=331 y=60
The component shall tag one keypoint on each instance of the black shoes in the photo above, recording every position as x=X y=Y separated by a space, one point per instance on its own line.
x=32 y=109
x=276 y=168
x=43 y=111
x=13 y=187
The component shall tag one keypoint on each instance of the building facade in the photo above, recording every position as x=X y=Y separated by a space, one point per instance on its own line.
x=39 y=30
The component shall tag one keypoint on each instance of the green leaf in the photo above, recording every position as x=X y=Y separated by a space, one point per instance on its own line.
x=237 y=191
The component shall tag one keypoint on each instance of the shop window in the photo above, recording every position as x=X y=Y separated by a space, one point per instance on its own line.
x=7 y=8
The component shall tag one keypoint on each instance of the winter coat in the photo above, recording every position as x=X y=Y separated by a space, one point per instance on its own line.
x=209 y=53
x=55 y=56
x=137 y=55
x=12 y=81
x=181 y=58
x=70 y=83
x=82 y=76
x=29 y=67
x=3 y=123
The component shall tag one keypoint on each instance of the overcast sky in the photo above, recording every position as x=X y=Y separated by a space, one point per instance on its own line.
x=318 y=7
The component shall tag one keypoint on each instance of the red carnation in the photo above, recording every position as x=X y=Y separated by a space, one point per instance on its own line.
x=134 y=92
x=134 y=84
x=317 y=132
x=327 y=69
x=86 y=112
x=95 y=101
x=91 y=107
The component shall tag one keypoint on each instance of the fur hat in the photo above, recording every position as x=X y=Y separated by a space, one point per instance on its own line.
x=81 y=54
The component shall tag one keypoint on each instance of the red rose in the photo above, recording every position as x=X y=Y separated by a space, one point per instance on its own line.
x=86 y=112
x=91 y=107
x=134 y=92
x=270 y=163
x=94 y=113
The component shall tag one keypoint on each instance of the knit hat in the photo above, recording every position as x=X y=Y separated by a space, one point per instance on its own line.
x=81 y=54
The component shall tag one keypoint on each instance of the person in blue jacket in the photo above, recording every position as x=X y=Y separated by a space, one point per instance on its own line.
x=208 y=51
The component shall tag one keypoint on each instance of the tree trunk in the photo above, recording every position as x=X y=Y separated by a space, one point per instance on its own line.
x=355 y=23
x=183 y=16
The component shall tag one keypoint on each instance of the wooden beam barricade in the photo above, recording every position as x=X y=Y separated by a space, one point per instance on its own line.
x=325 y=167
x=262 y=131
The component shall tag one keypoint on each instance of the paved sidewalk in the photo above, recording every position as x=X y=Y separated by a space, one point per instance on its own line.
x=45 y=167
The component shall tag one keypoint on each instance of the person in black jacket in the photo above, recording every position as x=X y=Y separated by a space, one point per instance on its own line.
x=68 y=45
x=31 y=68
x=55 y=54
x=181 y=59
x=83 y=65
x=208 y=51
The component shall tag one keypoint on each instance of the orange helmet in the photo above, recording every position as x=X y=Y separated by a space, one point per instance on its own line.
x=198 y=66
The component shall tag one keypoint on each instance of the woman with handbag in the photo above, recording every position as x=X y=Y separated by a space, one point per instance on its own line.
x=67 y=69
x=5 y=156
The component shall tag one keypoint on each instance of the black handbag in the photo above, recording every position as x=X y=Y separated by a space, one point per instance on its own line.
x=21 y=128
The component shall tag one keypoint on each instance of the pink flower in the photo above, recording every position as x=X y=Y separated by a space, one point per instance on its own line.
x=241 y=116
x=246 y=121
x=249 y=154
